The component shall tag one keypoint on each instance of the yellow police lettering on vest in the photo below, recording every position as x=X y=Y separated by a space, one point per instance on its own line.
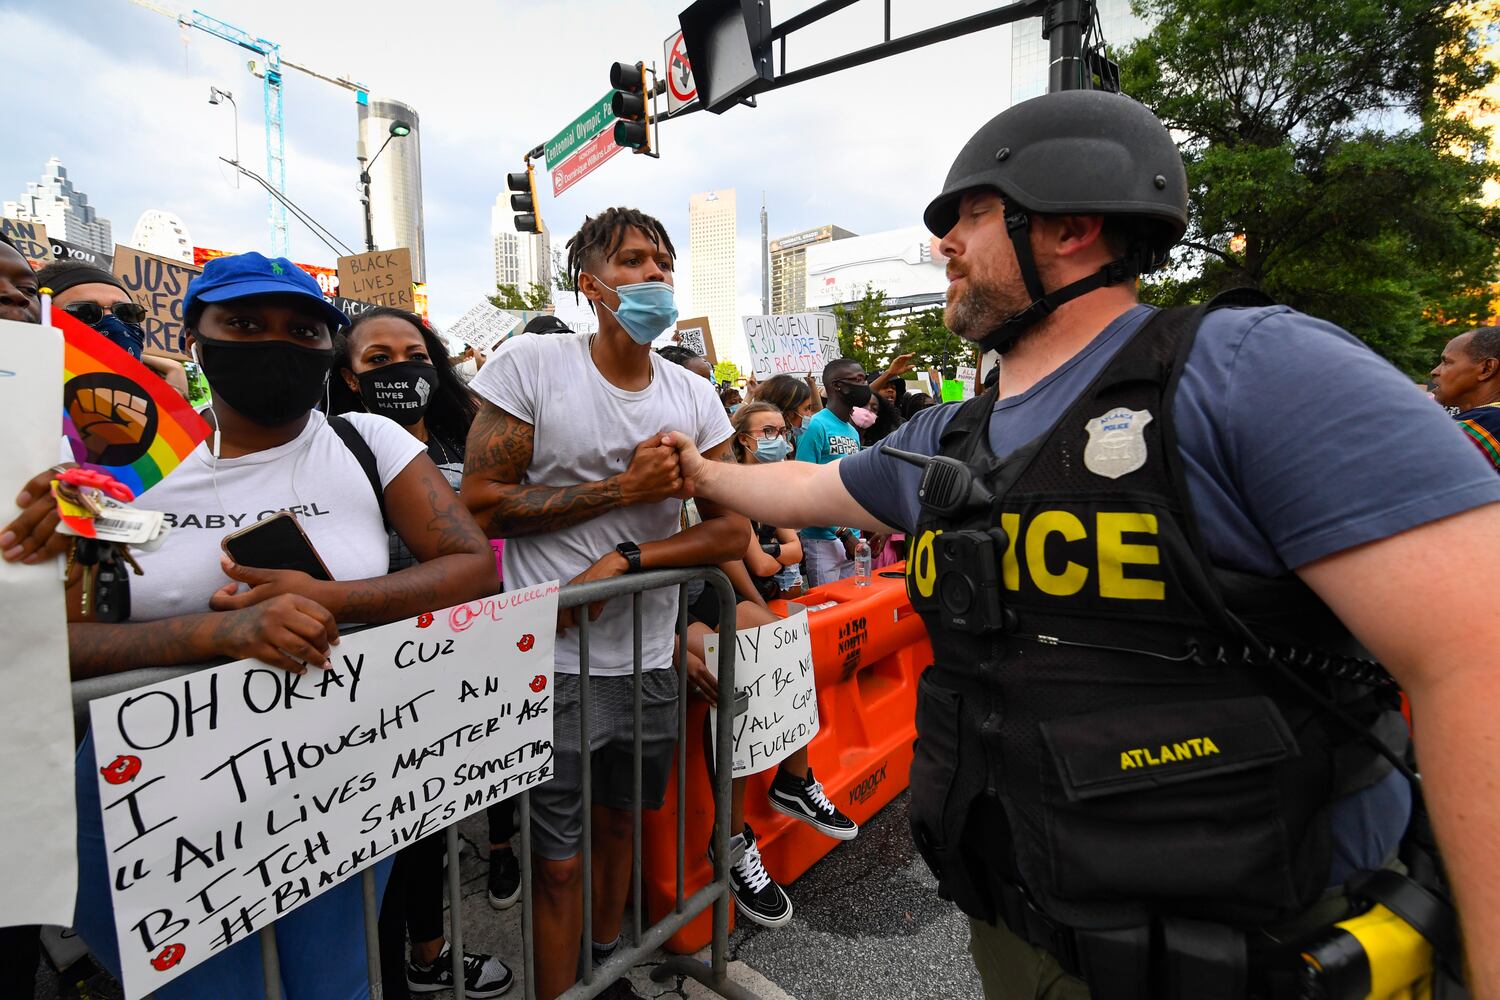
x=1169 y=753
x=1115 y=554
x=921 y=567
x=1110 y=560
x=1073 y=576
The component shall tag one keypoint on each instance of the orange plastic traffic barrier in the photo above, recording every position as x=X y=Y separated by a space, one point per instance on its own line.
x=869 y=649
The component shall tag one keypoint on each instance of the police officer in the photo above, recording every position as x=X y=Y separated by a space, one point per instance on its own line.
x=1149 y=757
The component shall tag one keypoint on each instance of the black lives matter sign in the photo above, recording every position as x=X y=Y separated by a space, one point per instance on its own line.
x=234 y=795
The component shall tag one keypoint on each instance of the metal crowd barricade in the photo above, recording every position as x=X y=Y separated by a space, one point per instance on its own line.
x=642 y=940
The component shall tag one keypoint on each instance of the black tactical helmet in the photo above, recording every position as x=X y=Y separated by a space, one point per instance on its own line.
x=1071 y=152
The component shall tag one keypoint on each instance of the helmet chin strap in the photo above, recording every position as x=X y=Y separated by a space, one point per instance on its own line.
x=1043 y=303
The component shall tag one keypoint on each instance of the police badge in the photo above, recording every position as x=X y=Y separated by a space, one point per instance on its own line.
x=1117 y=443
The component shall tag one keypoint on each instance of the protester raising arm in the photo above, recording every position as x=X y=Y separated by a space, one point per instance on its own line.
x=500 y=451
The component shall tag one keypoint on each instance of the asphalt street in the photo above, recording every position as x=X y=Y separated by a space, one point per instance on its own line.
x=867 y=923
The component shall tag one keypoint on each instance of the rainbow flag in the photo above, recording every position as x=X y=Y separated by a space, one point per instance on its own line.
x=118 y=415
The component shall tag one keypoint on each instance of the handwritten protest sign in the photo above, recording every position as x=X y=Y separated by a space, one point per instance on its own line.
x=797 y=344
x=30 y=238
x=234 y=795
x=38 y=862
x=773 y=665
x=484 y=326
x=158 y=285
x=382 y=278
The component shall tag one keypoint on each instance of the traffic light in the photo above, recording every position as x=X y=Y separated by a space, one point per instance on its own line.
x=524 y=201
x=630 y=106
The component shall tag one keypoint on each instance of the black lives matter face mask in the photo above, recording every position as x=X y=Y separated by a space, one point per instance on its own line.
x=270 y=382
x=399 y=391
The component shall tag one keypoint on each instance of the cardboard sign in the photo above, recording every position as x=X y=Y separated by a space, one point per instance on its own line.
x=158 y=285
x=38 y=860
x=31 y=239
x=773 y=665
x=233 y=795
x=382 y=278
x=798 y=344
x=484 y=327
x=62 y=250
x=695 y=334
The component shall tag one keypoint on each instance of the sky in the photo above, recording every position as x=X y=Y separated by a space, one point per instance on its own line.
x=120 y=94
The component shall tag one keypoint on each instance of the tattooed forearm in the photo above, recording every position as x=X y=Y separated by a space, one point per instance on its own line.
x=98 y=649
x=536 y=510
x=498 y=454
x=451 y=528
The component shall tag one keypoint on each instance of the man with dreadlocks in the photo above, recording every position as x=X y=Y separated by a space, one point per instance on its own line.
x=566 y=462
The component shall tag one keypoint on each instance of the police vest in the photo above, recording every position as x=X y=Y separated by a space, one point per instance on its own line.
x=1119 y=749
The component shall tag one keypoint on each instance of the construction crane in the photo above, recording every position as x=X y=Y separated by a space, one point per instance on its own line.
x=268 y=68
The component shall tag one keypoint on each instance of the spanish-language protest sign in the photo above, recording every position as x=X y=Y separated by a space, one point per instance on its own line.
x=63 y=250
x=158 y=285
x=38 y=861
x=797 y=344
x=773 y=666
x=484 y=327
x=233 y=795
x=30 y=238
x=382 y=278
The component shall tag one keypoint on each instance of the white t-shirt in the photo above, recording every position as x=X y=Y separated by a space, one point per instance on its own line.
x=315 y=476
x=586 y=430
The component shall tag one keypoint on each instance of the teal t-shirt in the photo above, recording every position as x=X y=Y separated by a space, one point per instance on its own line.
x=825 y=439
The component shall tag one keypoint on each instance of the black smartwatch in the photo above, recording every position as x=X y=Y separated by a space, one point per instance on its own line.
x=632 y=554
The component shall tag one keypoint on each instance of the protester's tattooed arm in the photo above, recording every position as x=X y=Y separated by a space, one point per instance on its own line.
x=287 y=631
x=499 y=452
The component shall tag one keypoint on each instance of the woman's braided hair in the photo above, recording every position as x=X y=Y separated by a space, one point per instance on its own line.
x=600 y=237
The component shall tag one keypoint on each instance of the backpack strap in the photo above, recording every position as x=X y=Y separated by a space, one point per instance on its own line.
x=360 y=449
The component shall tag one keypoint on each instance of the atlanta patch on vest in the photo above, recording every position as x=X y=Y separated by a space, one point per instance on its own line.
x=1117 y=442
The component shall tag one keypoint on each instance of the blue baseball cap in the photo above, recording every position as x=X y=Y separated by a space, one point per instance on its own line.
x=246 y=274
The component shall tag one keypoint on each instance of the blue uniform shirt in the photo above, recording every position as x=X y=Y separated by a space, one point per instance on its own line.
x=1298 y=442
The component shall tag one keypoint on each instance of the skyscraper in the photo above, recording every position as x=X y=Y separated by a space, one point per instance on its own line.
x=715 y=286
x=521 y=259
x=1030 y=53
x=64 y=210
x=789 y=266
x=395 y=180
x=162 y=233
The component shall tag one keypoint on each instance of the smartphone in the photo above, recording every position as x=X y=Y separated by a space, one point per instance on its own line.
x=278 y=542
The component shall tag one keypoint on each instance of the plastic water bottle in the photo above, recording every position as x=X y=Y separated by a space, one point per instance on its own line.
x=862 y=563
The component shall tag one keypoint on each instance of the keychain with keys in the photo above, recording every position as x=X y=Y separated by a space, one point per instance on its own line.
x=112 y=587
x=87 y=552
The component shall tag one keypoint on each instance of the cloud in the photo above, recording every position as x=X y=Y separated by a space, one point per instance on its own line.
x=124 y=103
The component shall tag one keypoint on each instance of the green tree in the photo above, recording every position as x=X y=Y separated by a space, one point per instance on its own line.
x=865 y=330
x=933 y=344
x=727 y=371
x=1324 y=164
x=561 y=279
x=535 y=298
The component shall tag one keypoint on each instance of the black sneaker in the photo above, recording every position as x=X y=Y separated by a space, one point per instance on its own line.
x=805 y=800
x=484 y=975
x=505 y=878
x=756 y=893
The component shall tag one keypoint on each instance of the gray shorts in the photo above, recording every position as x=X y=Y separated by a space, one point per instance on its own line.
x=557 y=805
x=826 y=561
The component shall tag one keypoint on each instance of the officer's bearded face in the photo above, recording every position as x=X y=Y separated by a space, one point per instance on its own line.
x=984 y=281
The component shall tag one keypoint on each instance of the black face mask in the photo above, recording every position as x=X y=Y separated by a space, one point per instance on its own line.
x=855 y=394
x=399 y=391
x=270 y=382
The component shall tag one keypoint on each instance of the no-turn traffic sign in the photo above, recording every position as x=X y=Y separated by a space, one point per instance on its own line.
x=681 y=89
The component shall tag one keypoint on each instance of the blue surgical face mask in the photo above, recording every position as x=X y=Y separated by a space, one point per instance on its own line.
x=774 y=450
x=647 y=309
x=129 y=337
